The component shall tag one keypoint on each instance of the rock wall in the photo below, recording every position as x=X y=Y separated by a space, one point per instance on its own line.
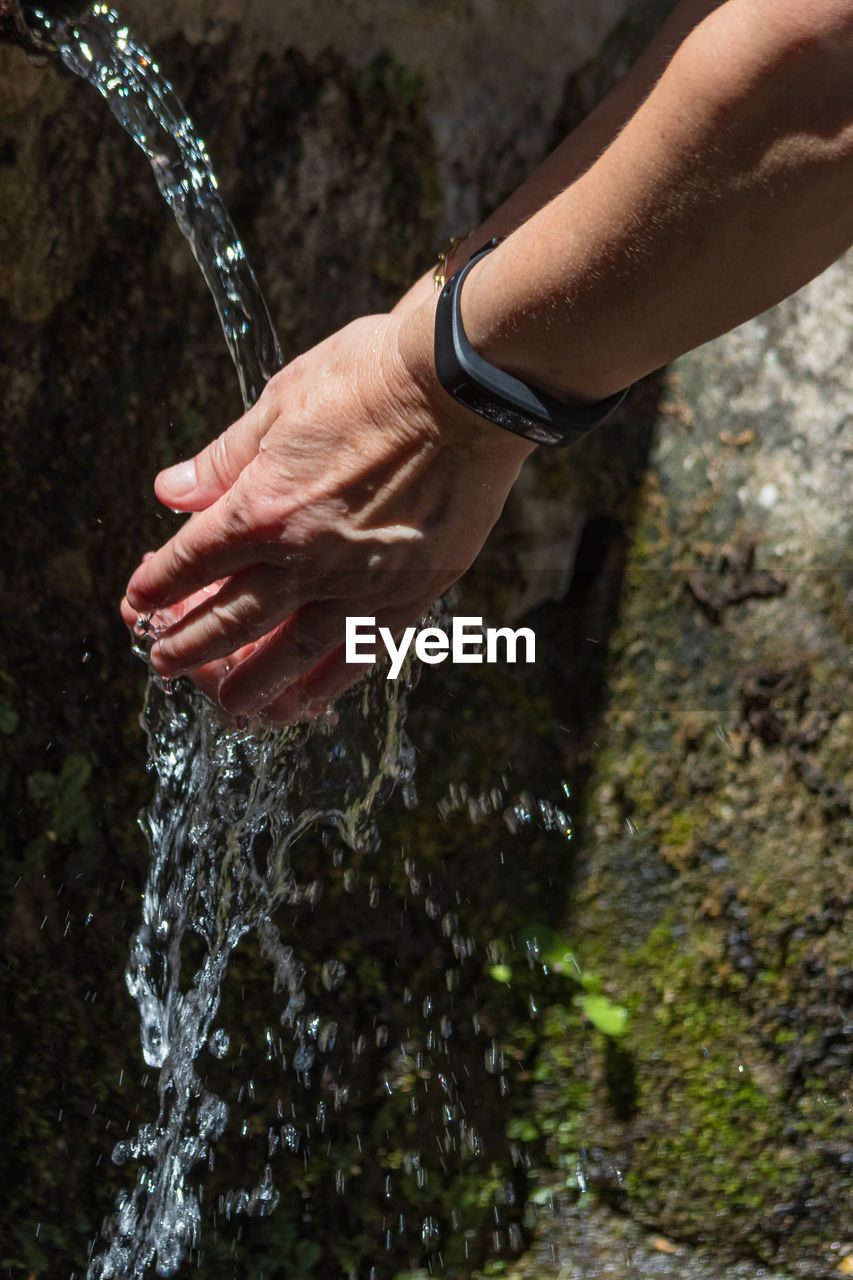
x=713 y=890
x=715 y=882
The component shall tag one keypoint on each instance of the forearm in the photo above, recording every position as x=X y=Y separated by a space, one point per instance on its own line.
x=726 y=190
x=582 y=147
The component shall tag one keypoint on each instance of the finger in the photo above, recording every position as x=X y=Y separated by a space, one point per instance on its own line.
x=148 y=626
x=314 y=694
x=213 y=544
x=198 y=482
x=289 y=707
x=244 y=609
x=292 y=650
x=332 y=677
x=207 y=680
x=129 y=616
x=305 y=650
x=210 y=675
x=156 y=624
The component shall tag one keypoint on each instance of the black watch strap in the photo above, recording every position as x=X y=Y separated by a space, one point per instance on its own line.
x=498 y=396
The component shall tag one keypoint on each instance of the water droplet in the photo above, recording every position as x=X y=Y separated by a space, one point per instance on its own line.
x=494 y=1059
x=295 y=1005
x=303 y=1059
x=290 y=1136
x=219 y=1043
x=430 y=1234
x=264 y=1199
x=326 y=1036
x=212 y=1117
x=333 y=974
x=155 y=1046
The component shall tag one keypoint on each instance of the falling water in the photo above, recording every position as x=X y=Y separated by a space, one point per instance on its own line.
x=219 y=794
x=102 y=51
x=220 y=791
x=230 y=804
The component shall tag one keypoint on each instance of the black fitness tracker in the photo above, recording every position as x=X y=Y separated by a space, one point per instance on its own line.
x=497 y=396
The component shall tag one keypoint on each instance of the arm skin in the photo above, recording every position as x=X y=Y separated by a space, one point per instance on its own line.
x=713 y=182
x=583 y=146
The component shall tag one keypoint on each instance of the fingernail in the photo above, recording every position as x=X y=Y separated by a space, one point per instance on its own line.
x=180 y=479
x=236 y=704
x=157 y=660
x=164 y=662
x=136 y=597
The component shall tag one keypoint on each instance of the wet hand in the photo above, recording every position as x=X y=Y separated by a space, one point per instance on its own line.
x=355 y=486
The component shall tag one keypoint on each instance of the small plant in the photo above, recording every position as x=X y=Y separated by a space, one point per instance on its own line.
x=549 y=952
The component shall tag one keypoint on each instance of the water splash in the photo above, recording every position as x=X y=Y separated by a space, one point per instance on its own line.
x=219 y=794
x=222 y=793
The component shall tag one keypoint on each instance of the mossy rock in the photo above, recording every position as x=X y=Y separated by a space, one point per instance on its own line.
x=715 y=880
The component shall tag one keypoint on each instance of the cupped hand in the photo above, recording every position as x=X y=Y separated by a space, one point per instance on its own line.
x=355 y=486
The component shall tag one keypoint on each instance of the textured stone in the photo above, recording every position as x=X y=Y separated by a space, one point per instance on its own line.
x=716 y=882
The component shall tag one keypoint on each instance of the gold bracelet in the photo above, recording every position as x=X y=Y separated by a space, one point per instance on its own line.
x=439 y=275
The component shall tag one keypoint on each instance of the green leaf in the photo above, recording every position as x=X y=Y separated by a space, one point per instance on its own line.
x=610 y=1018
x=521 y=1129
x=501 y=973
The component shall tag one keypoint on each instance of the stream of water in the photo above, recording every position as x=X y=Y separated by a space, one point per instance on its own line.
x=229 y=804
x=221 y=792
x=101 y=50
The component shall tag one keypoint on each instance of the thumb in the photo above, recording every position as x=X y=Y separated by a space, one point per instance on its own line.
x=194 y=485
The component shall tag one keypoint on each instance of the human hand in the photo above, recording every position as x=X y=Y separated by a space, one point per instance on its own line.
x=355 y=486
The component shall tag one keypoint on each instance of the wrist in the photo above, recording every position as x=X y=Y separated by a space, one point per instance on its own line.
x=502 y=326
x=454 y=425
x=526 y=309
x=494 y=393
